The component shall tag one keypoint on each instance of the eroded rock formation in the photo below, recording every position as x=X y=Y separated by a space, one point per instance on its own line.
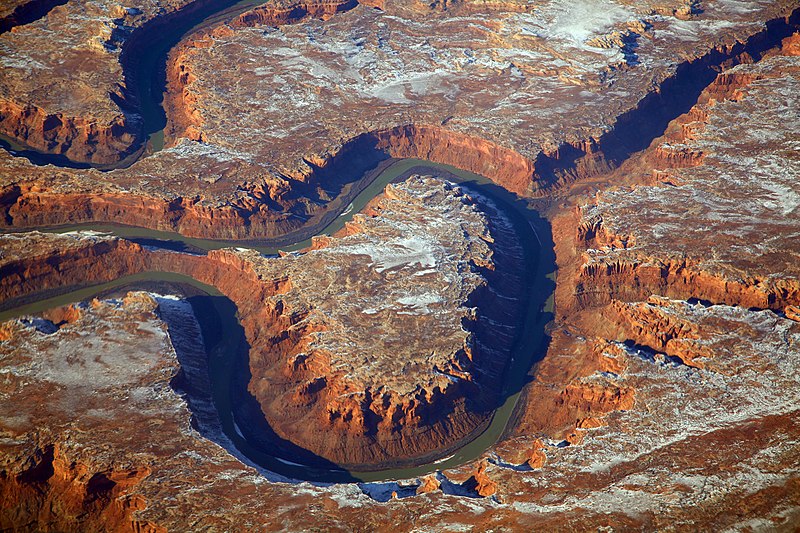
x=667 y=397
x=267 y=172
x=712 y=247
x=391 y=338
x=70 y=84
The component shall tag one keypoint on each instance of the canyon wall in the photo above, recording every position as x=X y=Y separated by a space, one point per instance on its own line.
x=31 y=206
x=307 y=383
x=57 y=494
x=382 y=427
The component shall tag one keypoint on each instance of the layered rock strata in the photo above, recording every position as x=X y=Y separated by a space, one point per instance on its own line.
x=415 y=79
x=70 y=83
x=648 y=412
x=723 y=229
x=47 y=481
x=674 y=458
x=392 y=338
x=63 y=89
x=276 y=181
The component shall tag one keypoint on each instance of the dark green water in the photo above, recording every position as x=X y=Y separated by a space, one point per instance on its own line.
x=146 y=74
x=529 y=346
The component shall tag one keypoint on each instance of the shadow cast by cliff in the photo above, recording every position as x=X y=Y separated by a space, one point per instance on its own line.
x=213 y=353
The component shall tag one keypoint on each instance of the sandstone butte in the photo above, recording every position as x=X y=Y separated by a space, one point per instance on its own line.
x=568 y=101
x=667 y=396
x=375 y=348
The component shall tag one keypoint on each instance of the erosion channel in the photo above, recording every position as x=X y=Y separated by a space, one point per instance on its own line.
x=227 y=349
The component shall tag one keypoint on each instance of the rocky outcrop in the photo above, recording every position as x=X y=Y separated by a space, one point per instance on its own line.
x=81 y=139
x=272 y=15
x=648 y=242
x=472 y=137
x=599 y=283
x=594 y=398
x=428 y=484
x=318 y=369
x=255 y=216
x=183 y=116
x=480 y=482
x=434 y=135
x=76 y=99
x=105 y=140
x=729 y=427
x=653 y=326
x=791 y=45
x=54 y=493
x=536 y=458
x=437 y=144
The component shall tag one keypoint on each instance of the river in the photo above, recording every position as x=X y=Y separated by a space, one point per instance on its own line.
x=228 y=339
x=221 y=329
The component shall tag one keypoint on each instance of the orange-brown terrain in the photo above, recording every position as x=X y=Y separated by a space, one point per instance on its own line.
x=419 y=380
x=63 y=88
x=291 y=148
x=658 y=140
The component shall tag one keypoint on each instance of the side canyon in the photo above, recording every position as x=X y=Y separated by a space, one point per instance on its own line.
x=602 y=334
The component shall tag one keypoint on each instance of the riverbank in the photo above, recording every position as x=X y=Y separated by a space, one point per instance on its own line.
x=521 y=362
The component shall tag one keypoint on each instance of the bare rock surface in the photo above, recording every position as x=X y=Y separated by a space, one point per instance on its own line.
x=559 y=100
x=382 y=346
x=63 y=89
x=729 y=220
x=667 y=396
x=68 y=85
x=409 y=64
x=401 y=328
x=682 y=454
x=674 y=458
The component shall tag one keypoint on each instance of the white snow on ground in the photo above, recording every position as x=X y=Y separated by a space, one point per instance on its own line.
x=419 y=302
x=756 y=373
x=403 y=251
x=579 y=21
x=83 y=355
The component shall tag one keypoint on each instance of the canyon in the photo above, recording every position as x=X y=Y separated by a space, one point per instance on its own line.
x=648 y=151
x=376 y=337
x=263 y=175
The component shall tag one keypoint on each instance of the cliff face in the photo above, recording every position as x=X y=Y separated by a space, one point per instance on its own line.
x=488 y=131
x=262 y=174
x=66 y=88
x=698 y=232
x=46 y=482
x=329 y=329
x=645 y=398
x=18 y=12
x=92 y=115
x=183 y=115
x=271 y=15
x=79 y=139
x=54 y=493
x=32 y=206
x=601 y=282
x=79 y=471
x=396 y=337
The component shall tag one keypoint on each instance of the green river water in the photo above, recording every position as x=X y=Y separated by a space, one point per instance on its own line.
x=528 y=348
x=224 y=345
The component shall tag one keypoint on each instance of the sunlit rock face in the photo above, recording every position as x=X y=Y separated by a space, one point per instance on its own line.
x=719 y=217
x=392 y=336
x=64 y=88
x=666 y=395
x=399 y=329
x=548 y=78
x=520 y=92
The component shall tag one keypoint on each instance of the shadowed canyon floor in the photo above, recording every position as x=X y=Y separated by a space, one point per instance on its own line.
x=658 y=140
